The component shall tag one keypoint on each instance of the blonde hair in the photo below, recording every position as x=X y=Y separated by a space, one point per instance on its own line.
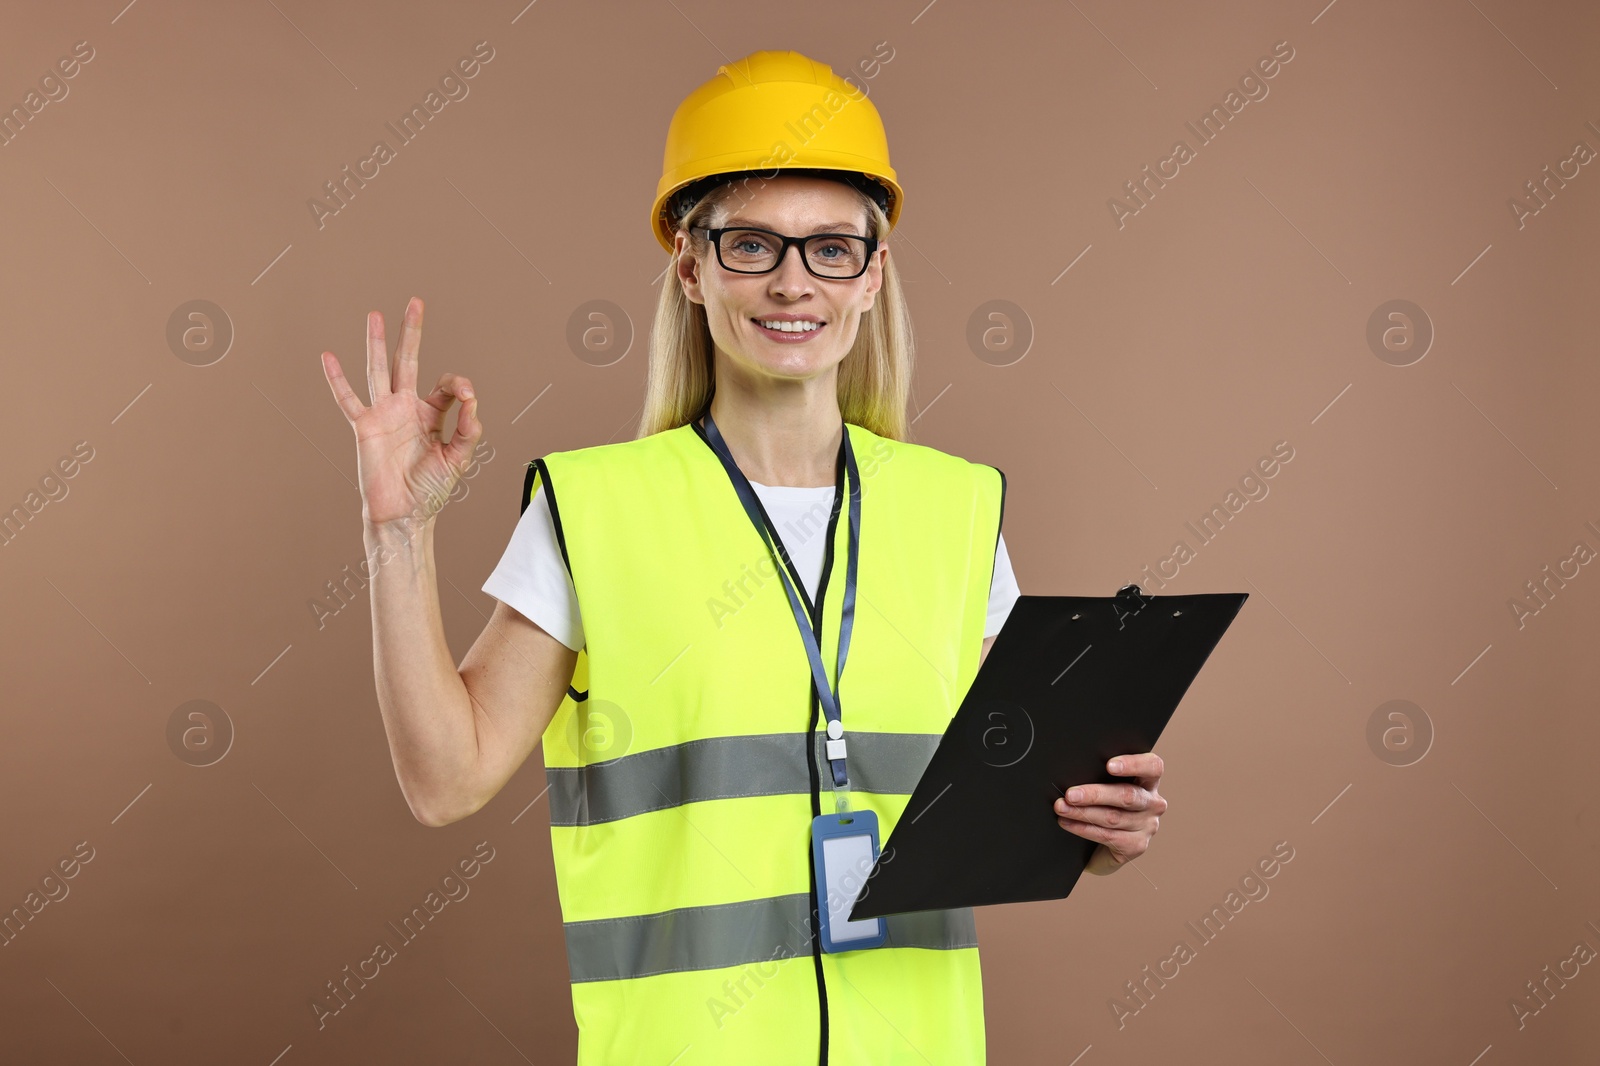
x=874 y=381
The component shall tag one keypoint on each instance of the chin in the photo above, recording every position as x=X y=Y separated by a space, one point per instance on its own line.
x=795 y=365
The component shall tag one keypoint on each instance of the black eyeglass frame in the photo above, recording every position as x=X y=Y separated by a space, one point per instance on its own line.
x=715 y=237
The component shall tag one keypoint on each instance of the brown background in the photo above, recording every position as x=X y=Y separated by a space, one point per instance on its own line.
x=1225 y=317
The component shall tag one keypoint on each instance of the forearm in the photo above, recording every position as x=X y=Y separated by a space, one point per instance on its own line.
x=426 y=708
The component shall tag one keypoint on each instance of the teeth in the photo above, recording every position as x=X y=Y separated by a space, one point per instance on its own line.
x=791 y=327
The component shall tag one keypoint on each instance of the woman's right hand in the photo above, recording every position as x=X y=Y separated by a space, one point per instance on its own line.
x=406 y=470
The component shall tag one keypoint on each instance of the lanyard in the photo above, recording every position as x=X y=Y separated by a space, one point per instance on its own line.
x=826 y=693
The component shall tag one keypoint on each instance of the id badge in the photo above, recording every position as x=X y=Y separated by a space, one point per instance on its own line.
x=843 y=853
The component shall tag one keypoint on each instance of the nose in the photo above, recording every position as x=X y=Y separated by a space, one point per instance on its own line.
x=790 y=276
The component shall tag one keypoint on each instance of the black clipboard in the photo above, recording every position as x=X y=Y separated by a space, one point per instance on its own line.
x=1069 y=682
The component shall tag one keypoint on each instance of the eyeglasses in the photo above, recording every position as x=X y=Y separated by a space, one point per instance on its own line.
x=829 y=256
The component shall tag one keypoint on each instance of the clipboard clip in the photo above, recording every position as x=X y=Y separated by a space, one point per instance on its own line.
x=1129 y=601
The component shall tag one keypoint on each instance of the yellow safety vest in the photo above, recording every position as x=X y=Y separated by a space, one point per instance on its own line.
x=681 y=788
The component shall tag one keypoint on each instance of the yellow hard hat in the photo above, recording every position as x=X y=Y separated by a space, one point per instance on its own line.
x=767 y=112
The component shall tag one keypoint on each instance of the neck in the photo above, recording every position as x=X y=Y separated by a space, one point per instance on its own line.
x=780 y=432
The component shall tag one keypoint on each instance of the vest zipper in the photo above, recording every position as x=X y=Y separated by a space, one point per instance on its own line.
x=811 y=748
x=816 y=705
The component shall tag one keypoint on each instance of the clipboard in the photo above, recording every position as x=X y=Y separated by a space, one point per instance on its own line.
x=1069 y=682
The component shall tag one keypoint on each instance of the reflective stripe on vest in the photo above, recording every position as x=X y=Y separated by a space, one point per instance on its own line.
x=681 y=785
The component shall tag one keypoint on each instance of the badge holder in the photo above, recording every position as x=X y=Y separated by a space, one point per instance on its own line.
x=844 y=847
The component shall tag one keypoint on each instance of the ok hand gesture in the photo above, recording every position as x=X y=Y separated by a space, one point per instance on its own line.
x=407 y=470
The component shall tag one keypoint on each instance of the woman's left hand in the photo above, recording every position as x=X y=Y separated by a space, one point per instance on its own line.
x=1122 y=817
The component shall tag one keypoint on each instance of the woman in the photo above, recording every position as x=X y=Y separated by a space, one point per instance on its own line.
x=680 y=709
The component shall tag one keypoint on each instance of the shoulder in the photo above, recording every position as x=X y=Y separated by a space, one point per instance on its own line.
x=633 y=456
x=617 y=470
x=922 y=462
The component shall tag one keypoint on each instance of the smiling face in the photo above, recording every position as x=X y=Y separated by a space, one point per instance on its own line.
x=737 y=304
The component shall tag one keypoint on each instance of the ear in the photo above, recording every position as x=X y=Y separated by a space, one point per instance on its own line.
x=875 y=275
x=687 y=267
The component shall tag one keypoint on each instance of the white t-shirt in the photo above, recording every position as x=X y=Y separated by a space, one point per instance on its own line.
x=532 y=578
